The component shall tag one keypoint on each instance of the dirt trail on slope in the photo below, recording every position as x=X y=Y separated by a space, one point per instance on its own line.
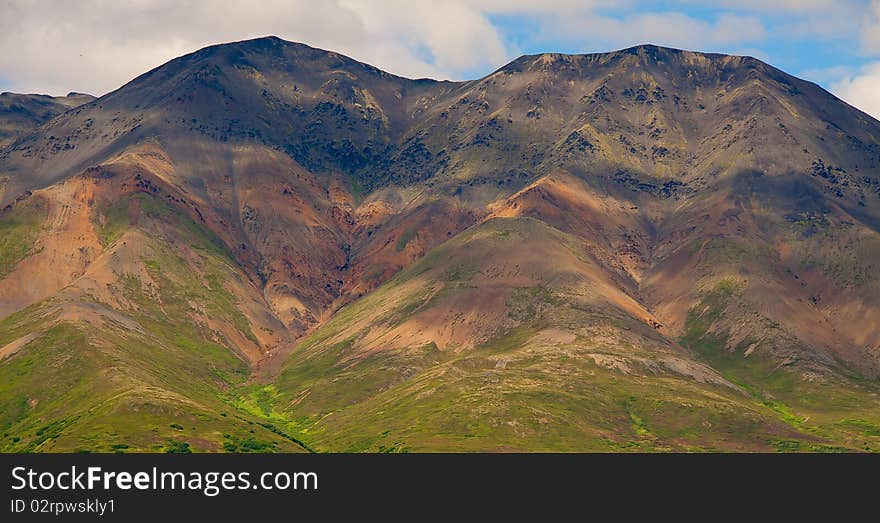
x=11 y=348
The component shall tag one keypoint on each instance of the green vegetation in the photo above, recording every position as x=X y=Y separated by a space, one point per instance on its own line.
x=113 y=220
x=180 y=388
x=177 y=447
x=813 y=408
x=247 y=445
x=156 y=381
x=404 y=239
x=113 y=392
x=357 y=189
x=180 y=284
x=19 y=228
x=508 y=392
x=844 y=254
x=465 y=402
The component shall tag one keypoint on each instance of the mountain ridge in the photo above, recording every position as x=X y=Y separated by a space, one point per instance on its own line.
x=274 y=44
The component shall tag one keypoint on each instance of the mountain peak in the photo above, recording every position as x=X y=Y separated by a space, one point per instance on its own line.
x=667 y=65
x=259 y=43
x=650 y=53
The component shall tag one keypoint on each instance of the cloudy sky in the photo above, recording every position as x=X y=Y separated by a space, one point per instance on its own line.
x=95 y=46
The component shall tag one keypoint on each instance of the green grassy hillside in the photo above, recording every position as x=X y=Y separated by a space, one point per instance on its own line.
x=558 y=370
x=127 y=366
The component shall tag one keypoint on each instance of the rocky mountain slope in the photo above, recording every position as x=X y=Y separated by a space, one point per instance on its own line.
x=265 y=246
x=20 y=114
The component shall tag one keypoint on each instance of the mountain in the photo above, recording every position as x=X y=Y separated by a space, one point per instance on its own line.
x=20 y=114
x=266 y=246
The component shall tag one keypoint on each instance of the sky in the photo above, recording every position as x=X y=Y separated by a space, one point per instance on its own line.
x=95 y=46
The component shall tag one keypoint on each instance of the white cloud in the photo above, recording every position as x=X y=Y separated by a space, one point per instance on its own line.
x=861 y=90
x=871 y=30
x=827 y=75
x=457 y=36
x=778 y=6
x=663 y=28
x=97 y=45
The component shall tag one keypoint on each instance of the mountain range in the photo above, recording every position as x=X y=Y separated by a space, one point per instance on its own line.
x=263 y=246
